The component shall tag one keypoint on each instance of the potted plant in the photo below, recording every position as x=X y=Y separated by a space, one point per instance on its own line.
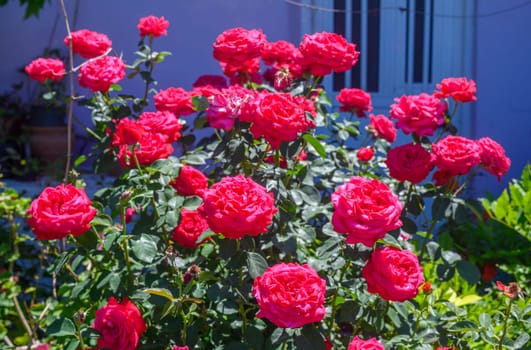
x=48 y=129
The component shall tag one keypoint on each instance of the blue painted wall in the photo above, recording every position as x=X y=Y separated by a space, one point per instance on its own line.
x=502 y=52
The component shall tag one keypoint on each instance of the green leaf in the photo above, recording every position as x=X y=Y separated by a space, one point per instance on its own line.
x=450 y=257
x=145 y=247
x=80 y=160
x=468 y=299
x=434 y=251
x=317 y=146
x=521 y=341
x=310 y=339
x=256 y=264
x=468 y=271
x=200 y=103
x=161 y=292
x=463 y=326
x=62 y=327
x=485 y=320
x=254 y=338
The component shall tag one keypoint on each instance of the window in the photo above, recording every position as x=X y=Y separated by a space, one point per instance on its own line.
x=406 y=46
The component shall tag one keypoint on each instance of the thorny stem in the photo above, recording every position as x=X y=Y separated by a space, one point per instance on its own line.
x=151 y=67
x=333 y=302
x=71 y=90
x=23 y=319
x=505 y=323
x=126 y=249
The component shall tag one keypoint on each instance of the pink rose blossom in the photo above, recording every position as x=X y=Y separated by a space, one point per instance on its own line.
x=101 y=73
x=409 y=162
x=238 y=206
x=456 y=155
x=355 y=101
x=153 y=26
x=326 y=52
x=460 y=89
x=369 y=344
x=382 y=127
x=89 y=44
x=365 y=210
x=290 y=295
x=419 y=114
x=394 y=274
x=493 y=158
x=42 y=69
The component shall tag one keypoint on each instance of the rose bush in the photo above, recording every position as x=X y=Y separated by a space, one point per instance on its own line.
x=279 y=228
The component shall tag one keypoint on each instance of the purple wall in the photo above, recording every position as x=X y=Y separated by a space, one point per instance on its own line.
x=503 y=76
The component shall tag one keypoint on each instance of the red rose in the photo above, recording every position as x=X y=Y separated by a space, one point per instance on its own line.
x=280 y=52
x=60 y=211
x=488 y=271
x=153 y=26
x=382 y=127
x=120 y=325
x=426 y=288
x=280 y=118
x=282 y=162
x=164 y=123
x=493 y=158
x=238 y=45
x=237 y=206
x=148 y=149
x=241 y=72
x=175 y=100
x=101 y=73
x=43 y=347
x=460 y=89
x=191 y=225
x=369 y=344
x=355 y=101
x=190 y=182
x=129 y=213
x=365 y=154
x=42 y=69
x=392 y=273
x=89 y=44
x=409 y=162
x=216 y=81
x=456 y=155
x=420 y=114
x=326 y=52
x=128 y=132
x=290 y=295
x=231 y=103
x=365 y=210
x=445 y=348
x=205 y=91
x=180 y=348
x=444 y=178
